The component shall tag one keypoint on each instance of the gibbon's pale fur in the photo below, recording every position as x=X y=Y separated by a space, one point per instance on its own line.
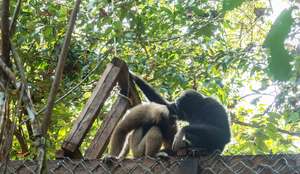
x=149 y=125
x=143 y=143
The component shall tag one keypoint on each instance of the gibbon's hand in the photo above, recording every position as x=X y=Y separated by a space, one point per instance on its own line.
x=132 y=76
x=179 y=142
x=109 y=159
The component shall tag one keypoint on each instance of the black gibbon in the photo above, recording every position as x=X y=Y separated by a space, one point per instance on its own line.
x=151 y=126
x=208 y=127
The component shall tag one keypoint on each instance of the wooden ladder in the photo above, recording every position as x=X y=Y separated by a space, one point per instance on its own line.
x=115 y=72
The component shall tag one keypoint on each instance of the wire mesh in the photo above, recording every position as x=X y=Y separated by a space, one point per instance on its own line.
x=213 y=164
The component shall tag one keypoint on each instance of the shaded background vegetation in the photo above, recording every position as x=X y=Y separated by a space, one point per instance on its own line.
x=231 y=50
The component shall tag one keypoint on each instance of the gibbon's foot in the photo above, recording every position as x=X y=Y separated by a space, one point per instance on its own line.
x=109 y=160
x=169 y=152
x=192 y=152
x=182 y=152
x=179 y=144
x=179 y=141
x=162 y=155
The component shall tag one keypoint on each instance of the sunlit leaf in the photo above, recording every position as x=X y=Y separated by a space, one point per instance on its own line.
x=294 y=117
x=231 y=4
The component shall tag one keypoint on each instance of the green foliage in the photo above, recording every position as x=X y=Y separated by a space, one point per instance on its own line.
x=174 y=46
x=280 y=58
x=231 y=4
x=280 y=29
x=279 y=63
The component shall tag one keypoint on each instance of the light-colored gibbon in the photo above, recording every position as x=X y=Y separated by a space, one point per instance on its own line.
x=143 y=129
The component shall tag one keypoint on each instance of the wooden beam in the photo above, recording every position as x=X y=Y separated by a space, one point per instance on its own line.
x=133 y=94
x=128 y=98
x=101 y=140
x=93 y=106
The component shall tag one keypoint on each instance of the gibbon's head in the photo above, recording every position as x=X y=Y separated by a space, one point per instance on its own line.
x=188 y=104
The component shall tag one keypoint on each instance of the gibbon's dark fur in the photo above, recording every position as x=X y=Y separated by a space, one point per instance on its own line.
x=208 y=127
x=151 y=126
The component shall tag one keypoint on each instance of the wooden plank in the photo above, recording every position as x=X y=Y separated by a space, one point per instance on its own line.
x=123 y=81
x=133 y=94
x=101 y=140
x=92 y=108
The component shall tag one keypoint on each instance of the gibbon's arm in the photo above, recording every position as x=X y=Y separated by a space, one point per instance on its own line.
x=150 y=93
x=126 y=147
x=208 y=132
x=201 y=135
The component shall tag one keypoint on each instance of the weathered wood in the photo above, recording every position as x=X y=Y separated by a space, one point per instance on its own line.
x=117 y=71
x=101 y=139
x=123 y=81
x=133 y=94
x=92 y=108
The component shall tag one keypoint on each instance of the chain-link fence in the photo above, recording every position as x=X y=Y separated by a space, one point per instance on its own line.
x=259 y=164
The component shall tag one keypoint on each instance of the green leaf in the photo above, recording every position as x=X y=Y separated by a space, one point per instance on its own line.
x=280 y=29
x=167 y=10
x=207 y=30
x=279 y=63
x=274 y=115
x=279 y=60
x=293 y=117
x=198 y=11
x=231 y=4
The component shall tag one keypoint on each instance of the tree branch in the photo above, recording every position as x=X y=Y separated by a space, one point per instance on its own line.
x=55 y=85
x=257 y=126
x=11 y=76
x=13 y=23
x=59 y=69
x=5 y=31
x=2 y=86
x=20 y=137
x=22 y=141
x=25 y=98
x=20 y=67
x=73 y=88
